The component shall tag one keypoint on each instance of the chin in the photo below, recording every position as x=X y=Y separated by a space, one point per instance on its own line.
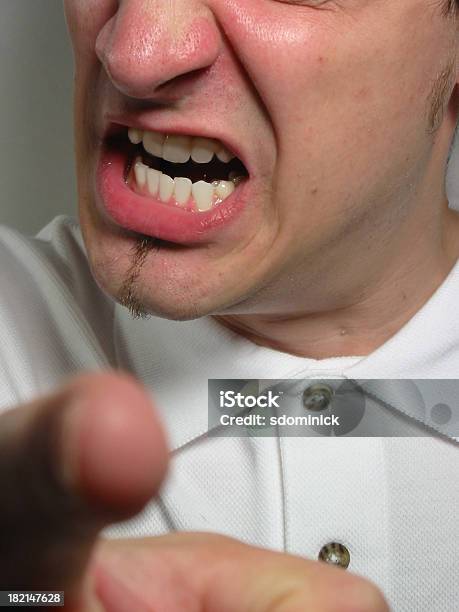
x=152 y=277
x=146 y=294
x=142 y=305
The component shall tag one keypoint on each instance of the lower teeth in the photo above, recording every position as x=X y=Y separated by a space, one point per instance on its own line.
x=199 y=196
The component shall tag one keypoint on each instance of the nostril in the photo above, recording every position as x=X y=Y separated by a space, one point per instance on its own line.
x=137 y=80
x=187 y=81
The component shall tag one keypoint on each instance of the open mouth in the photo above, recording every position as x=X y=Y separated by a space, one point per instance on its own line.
x=185 y=189
x=195 y=173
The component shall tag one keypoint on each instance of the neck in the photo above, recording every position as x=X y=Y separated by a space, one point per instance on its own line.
x=381 y=297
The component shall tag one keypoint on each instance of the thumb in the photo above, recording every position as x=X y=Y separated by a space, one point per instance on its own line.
x=202 y=571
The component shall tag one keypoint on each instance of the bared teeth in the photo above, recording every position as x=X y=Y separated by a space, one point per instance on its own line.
x=224 y=155
x=179 y=149
x=224 y=189
x=153 y=143
x=203 y=194
x=135 y=136
x=182 y=190
x=153 y=179
x=183 y=187
x=204 y=149
x=140 y=173
x=166 y=187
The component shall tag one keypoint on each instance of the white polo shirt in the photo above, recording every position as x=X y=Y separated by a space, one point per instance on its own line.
x=391 y=501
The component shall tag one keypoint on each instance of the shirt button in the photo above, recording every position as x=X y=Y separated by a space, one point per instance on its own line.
x=317 y=397
x=335 y=553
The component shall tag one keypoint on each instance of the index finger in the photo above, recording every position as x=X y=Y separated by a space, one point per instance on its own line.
x=70 y=463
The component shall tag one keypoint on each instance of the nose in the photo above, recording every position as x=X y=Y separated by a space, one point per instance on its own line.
x=149 y=43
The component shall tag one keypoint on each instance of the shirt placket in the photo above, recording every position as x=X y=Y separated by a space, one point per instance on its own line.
x=335 y=495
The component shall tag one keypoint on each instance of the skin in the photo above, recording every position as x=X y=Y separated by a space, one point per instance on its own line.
x=71 y=448
x=349 y=232
x=334 y=265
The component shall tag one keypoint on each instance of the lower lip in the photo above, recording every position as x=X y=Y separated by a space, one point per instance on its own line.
x=151 y=217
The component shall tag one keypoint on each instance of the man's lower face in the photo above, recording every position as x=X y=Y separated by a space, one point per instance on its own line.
x=169 y=237
x=225 y=173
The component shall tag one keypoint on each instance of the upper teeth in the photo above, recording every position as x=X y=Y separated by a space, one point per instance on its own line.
x=179 y=149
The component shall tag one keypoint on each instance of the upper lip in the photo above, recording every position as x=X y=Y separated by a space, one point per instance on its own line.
x=115 y=125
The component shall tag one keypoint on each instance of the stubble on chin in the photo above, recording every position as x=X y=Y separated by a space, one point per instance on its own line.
x=440 y=95
x=129 y=294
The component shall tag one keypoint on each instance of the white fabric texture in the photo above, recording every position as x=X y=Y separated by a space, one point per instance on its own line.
x=392 y=501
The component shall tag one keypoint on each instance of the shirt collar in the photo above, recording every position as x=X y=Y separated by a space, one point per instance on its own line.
x=176 y=359
x=431 y=404
x=427 y=346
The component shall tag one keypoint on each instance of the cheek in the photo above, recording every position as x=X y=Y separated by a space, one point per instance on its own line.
x=347 y=99
x=346 y=66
